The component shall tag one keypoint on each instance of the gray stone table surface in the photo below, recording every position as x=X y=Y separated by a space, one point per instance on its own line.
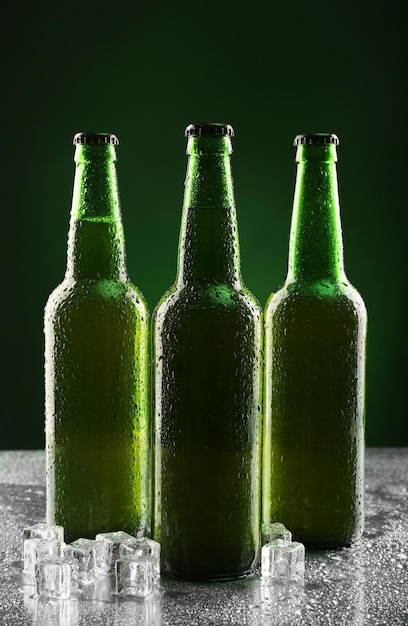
x=365 y=584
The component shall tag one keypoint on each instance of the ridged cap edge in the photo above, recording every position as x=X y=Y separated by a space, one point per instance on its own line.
x=316 y=139
x=209 y=129
x=95 y=139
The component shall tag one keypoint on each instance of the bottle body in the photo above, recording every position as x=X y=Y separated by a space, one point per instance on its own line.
x=96 y=369
x=314 y=408
x=207 y=334
x=315 y=334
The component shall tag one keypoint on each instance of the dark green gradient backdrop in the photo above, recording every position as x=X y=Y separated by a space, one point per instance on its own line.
x=272 y=71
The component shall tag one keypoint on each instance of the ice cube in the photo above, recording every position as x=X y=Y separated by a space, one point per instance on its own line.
x=86 y=558
x=141 y=546
x=44 y=531
x=283 y=561
x=136 y=575
x=53 y=578
x=275 y=530
x=103 y=588
x=110 y=547
x=36 y=550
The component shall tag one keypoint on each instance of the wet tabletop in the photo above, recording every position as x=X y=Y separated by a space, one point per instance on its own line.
x=366 y=584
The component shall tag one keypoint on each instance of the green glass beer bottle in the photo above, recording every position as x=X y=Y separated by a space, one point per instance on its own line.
x=207 y=333
x=96 y=369
x=315 y=333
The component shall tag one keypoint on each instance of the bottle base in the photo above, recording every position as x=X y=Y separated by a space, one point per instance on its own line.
x=205 y=577
x=329 y=544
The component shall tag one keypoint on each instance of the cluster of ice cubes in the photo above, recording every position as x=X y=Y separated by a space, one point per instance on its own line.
x=117 y=564
x=282 y=560
x=114 y=563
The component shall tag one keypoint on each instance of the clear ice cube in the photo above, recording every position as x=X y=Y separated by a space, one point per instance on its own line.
x=136 y=575
x=110 y=547
x=53 y=578
x=44 y=531
x=102 y=588
x=141 y=547
x=86 y=558
x=283 y=561
x=275 y=530
x=36 y=550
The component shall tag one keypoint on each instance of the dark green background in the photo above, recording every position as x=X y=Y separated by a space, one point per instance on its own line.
x=272 y=71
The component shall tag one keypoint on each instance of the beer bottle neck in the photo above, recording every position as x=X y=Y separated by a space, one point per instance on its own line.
x=208 y=248
x=316 y=246
x=96 y=243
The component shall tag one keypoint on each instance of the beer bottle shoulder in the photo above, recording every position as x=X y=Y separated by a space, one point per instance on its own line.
x=104 y=294
x=294 y=302
x=208 y=302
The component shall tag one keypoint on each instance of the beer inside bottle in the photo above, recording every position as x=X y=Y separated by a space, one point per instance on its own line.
x=96 y=339
x=207 y=341
x=315 y=331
